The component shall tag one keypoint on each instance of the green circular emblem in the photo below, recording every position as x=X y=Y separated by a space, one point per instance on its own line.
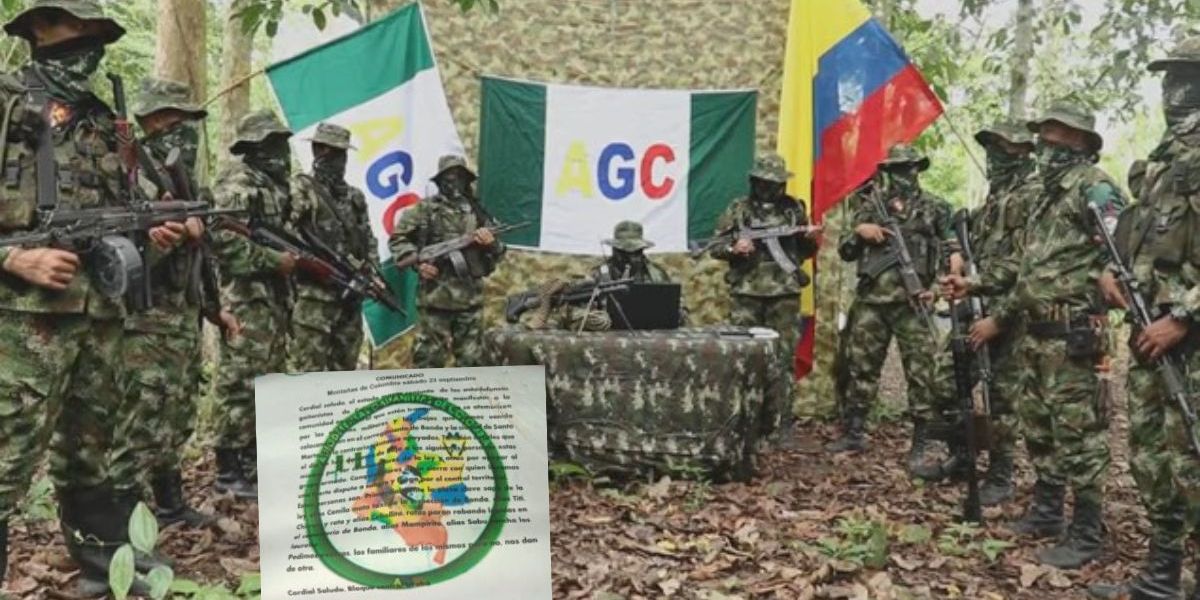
x=407 y=489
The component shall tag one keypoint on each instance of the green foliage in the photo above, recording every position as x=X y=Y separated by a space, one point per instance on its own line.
x=562 y=470
x=38 y=504
x=268 y=13
x=863 y=542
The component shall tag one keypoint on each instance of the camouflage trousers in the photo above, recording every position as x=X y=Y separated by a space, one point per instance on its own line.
x=864 y=346
x=1162 y=463
x=1003 y=392
x=259 y=350
x=326 y=336
x=1064 y=416
x=61 y=381
x=781 y=313
x=165 y=367
x=443 y=334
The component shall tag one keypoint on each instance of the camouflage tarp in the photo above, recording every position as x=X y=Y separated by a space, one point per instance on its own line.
x=624 y=403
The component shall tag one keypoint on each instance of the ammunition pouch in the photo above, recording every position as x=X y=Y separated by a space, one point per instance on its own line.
x=875 y=263
x=1083 y=340
x=116 y=267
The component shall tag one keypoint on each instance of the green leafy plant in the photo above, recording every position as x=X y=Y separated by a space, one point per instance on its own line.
x=863 y=542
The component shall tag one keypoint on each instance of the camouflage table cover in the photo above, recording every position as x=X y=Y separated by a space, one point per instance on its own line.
x=689 y=401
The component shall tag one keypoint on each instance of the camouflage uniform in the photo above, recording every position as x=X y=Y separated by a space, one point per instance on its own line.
x=254 y=288
x=162 y=345
x=763 y=294
x=881 y=308
x=63 y=348
x=995 y=228
x=327 y=328
x=627 y=240
x=1158 y=239
x=1050 y=285
x=451 y=323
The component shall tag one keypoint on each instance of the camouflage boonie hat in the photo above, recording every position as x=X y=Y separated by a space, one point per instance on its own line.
x=627 y=237
x=1071 y=116
x=771 y=168
x=904 y=154
x=452 y=161
x=86 y=10
x=1009 y=132
x=332 y=135
x=163 y=94
x=1187 y=52
x=255 y=128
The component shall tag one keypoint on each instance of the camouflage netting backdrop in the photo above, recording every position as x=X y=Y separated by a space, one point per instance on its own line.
x=686 y=44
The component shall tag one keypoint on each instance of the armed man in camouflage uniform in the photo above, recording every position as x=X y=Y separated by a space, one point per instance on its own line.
x=450 y=300
x=327 y=327
x=1160 y=241
x=256 y=285
x=763 y=293
x=994 y=229
x=1052 y=289
x=162 y=346
x=60 y=339
x=882 y=309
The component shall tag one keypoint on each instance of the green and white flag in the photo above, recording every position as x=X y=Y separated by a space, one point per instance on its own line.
x=577 y=160
x=381 y=82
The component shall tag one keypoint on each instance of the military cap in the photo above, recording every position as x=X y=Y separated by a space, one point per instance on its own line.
x=255 y=128
x=164 y=94
x=452 y=161
x=1073 y=116
x=771 y=168
x=904 y=154
x=1187 y=52
x=86 y=10
x=627 y=236
x=1007 y=131
x=332 y=135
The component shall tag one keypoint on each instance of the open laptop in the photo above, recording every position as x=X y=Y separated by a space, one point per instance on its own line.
x=646 y=306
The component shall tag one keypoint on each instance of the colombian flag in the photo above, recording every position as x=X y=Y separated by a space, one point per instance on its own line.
x=849 y=94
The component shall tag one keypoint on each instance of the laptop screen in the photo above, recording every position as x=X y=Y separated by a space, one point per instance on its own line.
x=646 y=306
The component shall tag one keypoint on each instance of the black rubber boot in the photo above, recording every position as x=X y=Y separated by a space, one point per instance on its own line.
x=1084 y=540
x=997 y=485
x=853 y=439
x=171 y=506
x=93 y=531
x=1159 y=579
x=919 y=465
x=1043 y=518
x=230 y=476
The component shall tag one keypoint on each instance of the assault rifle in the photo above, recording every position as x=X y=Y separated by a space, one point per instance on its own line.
x=769 y=236
x=333 y=271
x=968 y=367
x=584 y=291
x=453 y=247
x=102 y=236
x=904 y=262
x=1169 y=364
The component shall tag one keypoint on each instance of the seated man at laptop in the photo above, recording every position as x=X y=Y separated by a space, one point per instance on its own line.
x=627 y=261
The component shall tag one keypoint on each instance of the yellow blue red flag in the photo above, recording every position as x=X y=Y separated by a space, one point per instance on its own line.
x=849 y=94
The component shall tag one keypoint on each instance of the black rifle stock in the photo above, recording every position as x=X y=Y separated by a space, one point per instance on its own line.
x=1169 y=365
x=519 y=304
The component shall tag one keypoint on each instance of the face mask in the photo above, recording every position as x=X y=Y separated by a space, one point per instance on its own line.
x=1054 y=159
x=330 y=166
x=183 y=136
x=902 y=182
x=1181 y=94
x=1002 y=164
x=272 y=158
x=67 y=68
x=455 y=184
x=765 y=191
x=633 y=261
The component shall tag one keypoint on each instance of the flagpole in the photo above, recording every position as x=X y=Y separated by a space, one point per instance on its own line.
x=961 y=138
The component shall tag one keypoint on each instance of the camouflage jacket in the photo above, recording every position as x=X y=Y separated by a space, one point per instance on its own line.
x=1057 y=266
x=997 y=226
x=250 y=272
x=757 y=274
x=1160 y=236
x=342 y=224
x=88 y=177
x=653 y=273
x=435 y=220
x=928 y=232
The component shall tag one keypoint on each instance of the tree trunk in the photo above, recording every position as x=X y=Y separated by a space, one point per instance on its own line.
x=1022 y=58
x=235 y=69
x=181 y=47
